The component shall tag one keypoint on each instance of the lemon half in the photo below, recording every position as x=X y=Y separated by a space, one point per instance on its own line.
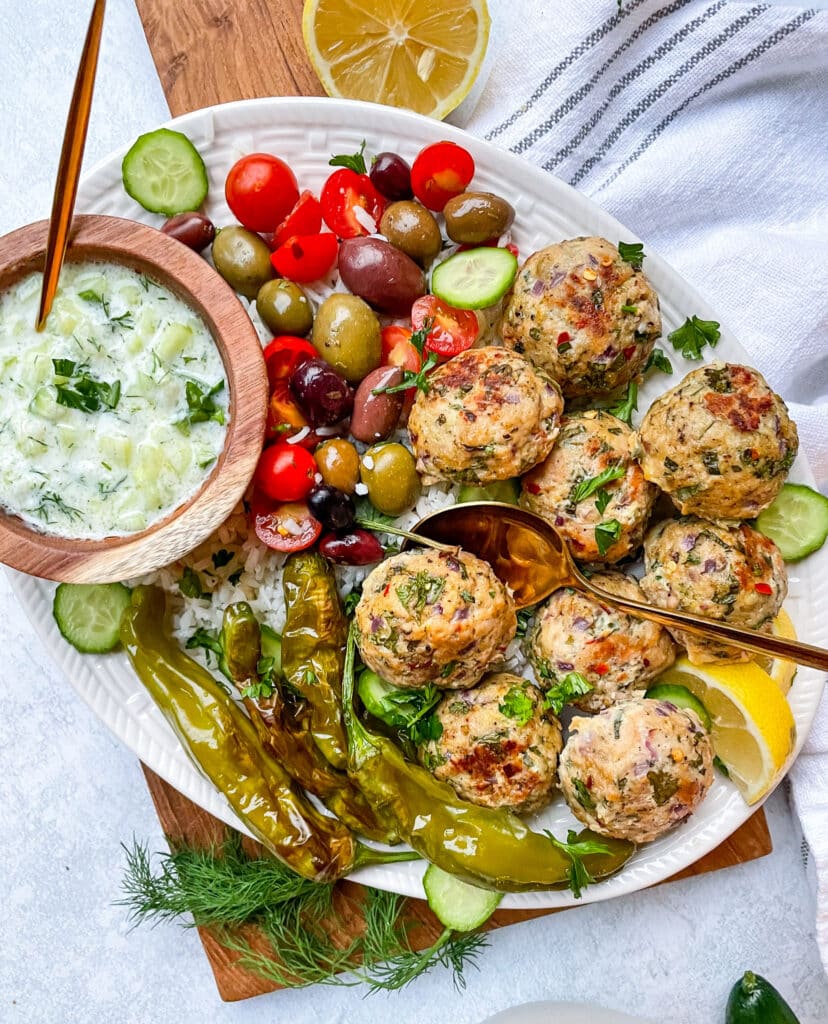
x=419 y=54
x=753 y=728
x=781 y=672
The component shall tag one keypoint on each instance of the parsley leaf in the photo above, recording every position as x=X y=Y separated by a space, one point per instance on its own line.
x=190 y=584
x=353 y=161
x=351 y=600
x=64 y=367
x=517 y=704
x=589 y=485
x=421 y=589
x=606 y=534
x=602 y=499
x=632 y=253
x=87 y=394
x=564 y=690
x=524 y=617
x=222 y=557
x=578 y=873
x=693 y=335
x=428 y=728
x=207 y=640
x=410 y=379
x=657 y=360
x=625 y=407
x=263 y=686
x=200 y=403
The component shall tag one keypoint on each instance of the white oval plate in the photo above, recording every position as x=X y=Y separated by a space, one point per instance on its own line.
x=306 y=132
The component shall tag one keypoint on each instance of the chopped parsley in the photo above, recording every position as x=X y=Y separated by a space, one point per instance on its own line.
x=693 y=335
x=419 y=591
x=589 y=485
x=632 y=253
x=602 y=499
x=626 y=406
x=583 y=795
x=517 y=704
x=208 y=641
x=200 y=404
x=410 y=379
x=524 y=617
x=657 y=360
x=563 y=691
x=578 y=873
x=190 y=584
x=606 y=533
x=353 y=161
x=222 y=557
x=82 y=391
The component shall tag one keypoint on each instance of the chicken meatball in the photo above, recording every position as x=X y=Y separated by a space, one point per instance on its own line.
x=602 y=521
x=720 y=444
x=436 y=617
x=636 y=770
x=613 y=651
x=731 y=573
x=498 y=747
x=488 y=415
x=582 y=313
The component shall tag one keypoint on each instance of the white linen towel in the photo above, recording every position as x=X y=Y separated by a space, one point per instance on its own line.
x=702 y=127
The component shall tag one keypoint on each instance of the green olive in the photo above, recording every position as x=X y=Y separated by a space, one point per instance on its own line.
x=473 y=218
x=346 y=333
x=243 y=260
x=338 y=463
x=412 y=229
x=284 y=308
x=390 y=473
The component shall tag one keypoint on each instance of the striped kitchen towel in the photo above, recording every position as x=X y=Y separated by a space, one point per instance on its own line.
x=702 y=127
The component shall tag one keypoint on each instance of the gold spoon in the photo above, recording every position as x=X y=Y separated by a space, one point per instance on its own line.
x=71 y=157
x=531 y=557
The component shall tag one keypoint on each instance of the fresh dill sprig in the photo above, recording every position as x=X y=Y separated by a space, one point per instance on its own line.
x=230 y=892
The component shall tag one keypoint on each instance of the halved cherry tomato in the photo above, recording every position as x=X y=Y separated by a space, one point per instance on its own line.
x=284 y=354
x=397 y=349
x=284 y=417
x=304 y=219
x=441 y=171
x=261 y=190
x=452 y=330
x=343 y=193
x=286 y=472
x=306 y=258
x=284 y=527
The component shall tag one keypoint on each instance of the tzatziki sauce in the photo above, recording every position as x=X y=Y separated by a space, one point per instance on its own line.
x=112 y=416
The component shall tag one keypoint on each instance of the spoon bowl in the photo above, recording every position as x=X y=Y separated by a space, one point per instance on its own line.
x=529 y=555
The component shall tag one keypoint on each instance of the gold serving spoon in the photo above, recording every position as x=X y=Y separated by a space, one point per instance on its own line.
x=71 y=157
x=531 y=557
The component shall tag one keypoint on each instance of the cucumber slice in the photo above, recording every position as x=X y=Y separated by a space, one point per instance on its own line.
x=164 y=173
x=458 y=905
x=89 y=615
x=797 y=521
x=507 y=491
x=682 y=698
x=474 y=279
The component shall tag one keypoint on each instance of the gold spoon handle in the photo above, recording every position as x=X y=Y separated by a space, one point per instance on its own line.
x=738 y=636
x=71 y=157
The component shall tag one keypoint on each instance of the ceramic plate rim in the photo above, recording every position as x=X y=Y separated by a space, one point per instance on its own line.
x=141 y=727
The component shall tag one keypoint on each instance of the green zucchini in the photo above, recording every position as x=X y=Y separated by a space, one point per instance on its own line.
x=753 y=1000
x=458 y=905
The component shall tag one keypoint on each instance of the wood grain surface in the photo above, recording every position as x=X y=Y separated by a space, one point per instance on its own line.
x=213 y=51
x=113 y=239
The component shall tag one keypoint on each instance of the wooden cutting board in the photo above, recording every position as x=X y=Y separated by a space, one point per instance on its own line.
x=213 y=51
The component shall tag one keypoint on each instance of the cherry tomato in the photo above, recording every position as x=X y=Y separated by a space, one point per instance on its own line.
x=305 y=258
x=284 y=527
x=397 y=349
x=284 y=417
x=343 y=193
x=304 y=219
x=452 y=330
x=286 y=472
x=284 y=354
x=441 y=171
x=261 y=190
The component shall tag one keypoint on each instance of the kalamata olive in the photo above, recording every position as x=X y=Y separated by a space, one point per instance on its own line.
x=476 y=217
x=391 y=176
x=384 y=276
x=324 y=396
x=284 y=308
x=389 y=471
x=338 y=463
x=242 y=259
x=193 y=229
x=334 y=509
x=412 y=229
x=347 y=334
x=359 y=547
x=376 y=416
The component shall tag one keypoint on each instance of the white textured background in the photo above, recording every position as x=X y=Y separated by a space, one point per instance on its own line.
x=69 y=794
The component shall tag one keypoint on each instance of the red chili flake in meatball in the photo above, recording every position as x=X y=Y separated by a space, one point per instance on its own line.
x=763 y=588
x=532 y=488
x=601 y=669
x=564 y=337
x=629 y=352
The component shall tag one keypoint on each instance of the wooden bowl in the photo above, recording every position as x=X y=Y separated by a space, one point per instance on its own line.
x=188 y=275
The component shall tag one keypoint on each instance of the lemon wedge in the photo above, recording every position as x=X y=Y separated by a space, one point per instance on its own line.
x=753 y=729
x=423 y=55
x=781 y=672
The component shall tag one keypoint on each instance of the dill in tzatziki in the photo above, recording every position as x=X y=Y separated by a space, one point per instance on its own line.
x=114 y=414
